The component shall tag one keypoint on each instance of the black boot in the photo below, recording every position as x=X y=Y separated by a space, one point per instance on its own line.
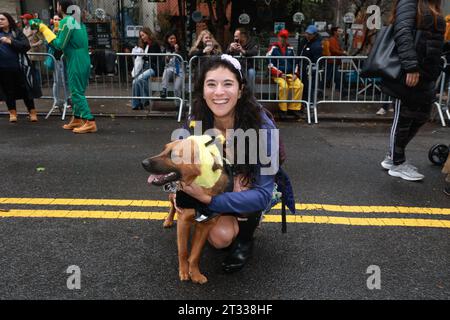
x=164 y=93
x=242 y=246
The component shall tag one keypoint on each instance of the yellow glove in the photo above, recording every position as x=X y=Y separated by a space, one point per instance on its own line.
x=47 y=33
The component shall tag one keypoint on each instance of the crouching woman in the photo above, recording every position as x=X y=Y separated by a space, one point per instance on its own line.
x=223 y=102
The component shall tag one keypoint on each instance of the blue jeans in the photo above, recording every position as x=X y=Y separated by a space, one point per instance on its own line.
x=140 y=87
x=251 y=75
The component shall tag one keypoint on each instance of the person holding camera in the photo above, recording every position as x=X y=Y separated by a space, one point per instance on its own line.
x=245 y=47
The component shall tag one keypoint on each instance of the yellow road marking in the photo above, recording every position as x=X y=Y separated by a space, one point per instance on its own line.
x=158 y=203
x=85 y=202
x=131 y=215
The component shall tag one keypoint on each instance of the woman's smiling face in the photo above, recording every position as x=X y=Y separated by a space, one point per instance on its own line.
x=221 y=92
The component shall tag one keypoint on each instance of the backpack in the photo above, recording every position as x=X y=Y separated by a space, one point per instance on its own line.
x=283 y=190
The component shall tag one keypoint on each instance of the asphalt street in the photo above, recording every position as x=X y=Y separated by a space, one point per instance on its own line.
x=335 y=171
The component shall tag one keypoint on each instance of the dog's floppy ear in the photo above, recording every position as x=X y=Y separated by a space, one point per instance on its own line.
x=189 y=173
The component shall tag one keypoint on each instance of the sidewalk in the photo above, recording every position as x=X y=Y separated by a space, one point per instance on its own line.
x=359 y=112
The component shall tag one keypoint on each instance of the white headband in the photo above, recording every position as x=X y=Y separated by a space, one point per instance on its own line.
x=233 y=61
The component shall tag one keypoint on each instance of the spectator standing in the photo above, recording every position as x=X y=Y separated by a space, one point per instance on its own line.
x=37 y=44
x=245 y=47
x=285 y=73
x=17 y=78
x=421 y=66
x=311 y=47
x=333 y=64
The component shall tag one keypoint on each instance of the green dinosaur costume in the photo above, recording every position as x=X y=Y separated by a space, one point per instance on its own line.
x=72 y=39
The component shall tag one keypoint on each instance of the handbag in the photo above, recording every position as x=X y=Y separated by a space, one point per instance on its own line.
x=383 y=60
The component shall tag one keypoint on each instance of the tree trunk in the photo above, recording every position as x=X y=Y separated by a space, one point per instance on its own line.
x=218 y=19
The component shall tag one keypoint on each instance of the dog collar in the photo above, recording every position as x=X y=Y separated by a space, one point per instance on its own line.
x=208 y=154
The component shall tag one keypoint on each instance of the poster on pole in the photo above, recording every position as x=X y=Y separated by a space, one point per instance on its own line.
x=278 y=26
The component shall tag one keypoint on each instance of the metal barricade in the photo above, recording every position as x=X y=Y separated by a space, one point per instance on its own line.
x=118 y=83
x=443 y=104
x=52 y=81
x=338 y=80
x=264 y=85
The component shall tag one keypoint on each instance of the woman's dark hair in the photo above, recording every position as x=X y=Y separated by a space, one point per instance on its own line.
x=168 y=35
x=166 y=39
x=11 y=22
x=334 y=30
x=433 y=5
x=247 y=113
x=65 y=4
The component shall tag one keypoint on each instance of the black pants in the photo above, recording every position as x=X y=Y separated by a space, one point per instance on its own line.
x=408 y=119
x=13 y=86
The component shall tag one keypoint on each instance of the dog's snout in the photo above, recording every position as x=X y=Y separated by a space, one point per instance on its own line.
x=146 y=163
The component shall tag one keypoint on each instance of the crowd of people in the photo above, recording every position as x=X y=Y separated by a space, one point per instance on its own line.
x=70 y=38
x=287 y=72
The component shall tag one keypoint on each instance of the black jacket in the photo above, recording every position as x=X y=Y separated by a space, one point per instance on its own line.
x=155 y=63
x=28 y=86
x=425 y=58
x=251 y=50
x=311 y=49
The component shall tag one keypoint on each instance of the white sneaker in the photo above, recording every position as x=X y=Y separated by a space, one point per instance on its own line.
x=381 y=112
x=406 y=172
x=387 y=163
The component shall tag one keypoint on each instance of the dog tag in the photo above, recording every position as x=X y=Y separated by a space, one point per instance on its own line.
x=170 y=187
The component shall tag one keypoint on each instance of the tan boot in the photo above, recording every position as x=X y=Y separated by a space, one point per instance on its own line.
x=74 y=123
x=12 y=116
x=89 y=126
x=33 y=115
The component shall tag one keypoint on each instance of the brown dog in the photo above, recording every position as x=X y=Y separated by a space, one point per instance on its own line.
x=177 y=162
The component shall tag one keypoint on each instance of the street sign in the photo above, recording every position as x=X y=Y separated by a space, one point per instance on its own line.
x=133 y=31
x=298 y=17
x=320 y=25
x=278 y=26
x=244 y=18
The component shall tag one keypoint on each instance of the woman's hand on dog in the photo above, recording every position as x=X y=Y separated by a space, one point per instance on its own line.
x=196 y=192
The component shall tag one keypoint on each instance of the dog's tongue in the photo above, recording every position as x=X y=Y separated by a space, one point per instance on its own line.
x=152 y=177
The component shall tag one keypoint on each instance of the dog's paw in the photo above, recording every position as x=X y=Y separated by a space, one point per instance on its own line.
x=184 y=276
x=198 y=278
x=167 y=224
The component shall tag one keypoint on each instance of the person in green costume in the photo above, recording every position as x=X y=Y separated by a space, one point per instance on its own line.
x=72 y=39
